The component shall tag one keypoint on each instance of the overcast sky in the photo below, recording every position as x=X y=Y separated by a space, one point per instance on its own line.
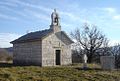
x=20 y=16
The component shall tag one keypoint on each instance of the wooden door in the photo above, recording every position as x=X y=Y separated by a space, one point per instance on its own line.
x=57 y=57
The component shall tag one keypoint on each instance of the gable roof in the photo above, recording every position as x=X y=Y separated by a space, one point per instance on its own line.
x=33 y=36
x=63 y=36
x=38 y=35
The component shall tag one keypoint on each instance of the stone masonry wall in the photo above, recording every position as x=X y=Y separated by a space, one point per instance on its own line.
x=49 y=45
x=48 y=51
x=27 y=53
x=66 y=57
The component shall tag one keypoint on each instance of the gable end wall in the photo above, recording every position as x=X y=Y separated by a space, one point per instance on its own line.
x=49 y=45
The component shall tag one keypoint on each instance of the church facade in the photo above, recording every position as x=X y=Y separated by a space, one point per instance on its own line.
x=49 y=47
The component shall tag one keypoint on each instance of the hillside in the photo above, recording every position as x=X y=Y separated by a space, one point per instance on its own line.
x=6 y=54
x=59 y=73
x=9 y=50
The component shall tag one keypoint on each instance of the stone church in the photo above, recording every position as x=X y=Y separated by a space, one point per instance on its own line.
x=48 y=47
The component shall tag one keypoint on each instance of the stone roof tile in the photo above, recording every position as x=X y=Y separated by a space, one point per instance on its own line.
x=33 y=36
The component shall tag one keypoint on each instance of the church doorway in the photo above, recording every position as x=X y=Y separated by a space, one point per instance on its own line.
x=58 y=57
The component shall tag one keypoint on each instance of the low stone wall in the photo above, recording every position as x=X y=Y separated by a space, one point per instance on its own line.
x=107 y=62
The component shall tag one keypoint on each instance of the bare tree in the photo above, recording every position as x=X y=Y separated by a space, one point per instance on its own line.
x=91 y=39
x=77 y=53
x=105 y=50
x=115 y=51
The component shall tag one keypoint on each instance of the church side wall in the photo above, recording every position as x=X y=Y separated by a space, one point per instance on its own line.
x=27 y=53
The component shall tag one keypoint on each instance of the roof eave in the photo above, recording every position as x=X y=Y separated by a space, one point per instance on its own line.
x=24 y=41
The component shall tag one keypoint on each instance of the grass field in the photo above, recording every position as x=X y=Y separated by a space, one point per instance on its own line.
x=60 y=73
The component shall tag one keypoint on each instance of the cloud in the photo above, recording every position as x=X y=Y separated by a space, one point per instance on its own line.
x=13 y=11
x=70 y=15
x=66 y=24
x=4 y=16
x=8 y=4
x=32 y=5
x=6 y=38
x=37 y=15
x=110 y=10
x=26 y=11
x=114 y=42
x=116 y=17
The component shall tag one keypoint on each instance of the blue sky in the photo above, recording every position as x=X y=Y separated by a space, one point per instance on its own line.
x=17 y=17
